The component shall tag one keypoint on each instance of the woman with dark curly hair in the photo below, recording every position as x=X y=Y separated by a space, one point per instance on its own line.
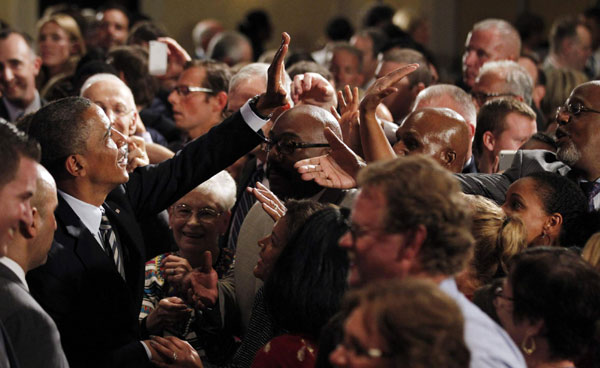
x=407 y=323
x=549 y=204
x=550 y=306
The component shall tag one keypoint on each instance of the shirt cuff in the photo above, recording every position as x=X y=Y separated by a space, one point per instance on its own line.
x=148 y=353
x=254 y=121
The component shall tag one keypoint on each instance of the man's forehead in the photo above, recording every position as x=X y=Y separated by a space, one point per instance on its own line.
x=193 y=75
x=588 y=93
x=15 y=47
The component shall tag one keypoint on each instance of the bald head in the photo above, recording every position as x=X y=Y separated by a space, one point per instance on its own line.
x=439 y=133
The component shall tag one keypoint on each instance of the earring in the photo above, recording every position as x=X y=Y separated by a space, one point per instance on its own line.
x=528 y=350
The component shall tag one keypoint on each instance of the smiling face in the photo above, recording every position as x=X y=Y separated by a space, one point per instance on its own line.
x=270 y=249
x=201 y=229
x=116 y=100
x=18 y=69
x=55 y=45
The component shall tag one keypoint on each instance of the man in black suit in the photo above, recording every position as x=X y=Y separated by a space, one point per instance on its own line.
x=93 y=280
x=18 y=156
x=33 y=333
x=19 y=65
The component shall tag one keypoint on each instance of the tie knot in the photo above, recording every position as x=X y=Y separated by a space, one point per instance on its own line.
x=104 y=223
x=590 y=188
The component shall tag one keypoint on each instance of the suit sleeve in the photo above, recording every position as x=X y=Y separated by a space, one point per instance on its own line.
x=153 y=188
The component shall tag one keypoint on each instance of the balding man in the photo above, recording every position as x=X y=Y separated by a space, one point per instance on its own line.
x=399 y=102
x=203 y=33
x=439 y=133
x=19 y=65
x=502 y=79
x=454 y=98
x=489 y=40
x=231 y=48
x=33 y=333
x=503 y=124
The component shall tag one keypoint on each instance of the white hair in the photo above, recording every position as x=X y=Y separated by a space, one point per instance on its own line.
x=223 y=186
x=459 y=101
x=517 y=79
x=100 y=77
x=508 y=35
x=257 y=71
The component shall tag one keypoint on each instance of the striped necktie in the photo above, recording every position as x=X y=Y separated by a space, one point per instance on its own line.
x=245 y=203
x=111 y=245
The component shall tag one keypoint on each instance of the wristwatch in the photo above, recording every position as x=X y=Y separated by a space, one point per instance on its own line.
x=252 y=103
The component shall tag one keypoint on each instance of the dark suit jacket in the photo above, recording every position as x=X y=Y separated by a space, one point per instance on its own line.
x=95 y=309
x=8 y=358
x=4 y=111
x=32 y=332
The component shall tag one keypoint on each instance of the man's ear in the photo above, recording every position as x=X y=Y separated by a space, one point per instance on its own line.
x=448 y=156
x=416 y=89
x=75 y=165
x=219 y=101
x=413 y=241
x=133 y=123
x=489 y=141
x=30 y=231
x=37 y=64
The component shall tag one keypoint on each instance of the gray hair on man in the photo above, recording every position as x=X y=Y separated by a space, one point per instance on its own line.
x=450 y=96
x=518 y=81
x=512 y=40
x=102 y=77
x=256 y=72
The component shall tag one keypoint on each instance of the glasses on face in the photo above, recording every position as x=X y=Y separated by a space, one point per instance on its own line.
x=357 y=232
x=184 y=91
x=287 y=146
x=499 y=293
x=185 y=212
x=355 y=348
x=573 y=109
x=482 y=97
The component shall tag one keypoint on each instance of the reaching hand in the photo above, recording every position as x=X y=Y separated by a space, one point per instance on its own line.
x=168 y=312
x=313 y=89
x=203 y=290
x=276 y=95
x=175 y=269
x=384 y=86
x=270 y=202
x=177 y=57
x=338 y=169
x=349 y=121
x=137 y=155
x=173 y=352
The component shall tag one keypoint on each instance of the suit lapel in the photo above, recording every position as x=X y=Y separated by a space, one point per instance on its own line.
x=10 y=276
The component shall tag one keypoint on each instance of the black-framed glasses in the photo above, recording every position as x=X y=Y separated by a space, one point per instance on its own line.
x=186 y=90
x=184 y=212
x=482 y=97
x=357 y=231
x=355 y=348
x=573 y=109
x=287 y=146
x=499 y=293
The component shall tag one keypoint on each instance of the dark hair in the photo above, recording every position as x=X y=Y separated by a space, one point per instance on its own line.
x=308 y=279
x=217 y=74
x=113 y=5
x=302 y=67
x=62 y=130
x=133 y=62
x=378 y=15
x=346 y=46
x=6 y=32
x=84 y=71
x=144 y=31
x=557 y=286
x=14 y=144
x=562 y=28
x=377 y=36
x=559 y=194
x=339 y=29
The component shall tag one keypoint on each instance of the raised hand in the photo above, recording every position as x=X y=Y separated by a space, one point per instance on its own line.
x=137 y=155
x=168 y=312
x=276 y=95
x=384 y=86
x=203 y=290
x=177 y=57
x=173 y=352
x=349 y=122
x=272 y=205
x=313 y=89
x=337 y=169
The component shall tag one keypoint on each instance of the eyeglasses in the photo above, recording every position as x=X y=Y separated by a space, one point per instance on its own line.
x=499 y=293
x=358 y=231
x=573 y=109
x=184 y=91
x=482 y=97
x=206 y=214
x=287 y=146
x=355 y=348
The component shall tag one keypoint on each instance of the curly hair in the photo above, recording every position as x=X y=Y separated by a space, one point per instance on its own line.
x=419 y=191
x=557 y=286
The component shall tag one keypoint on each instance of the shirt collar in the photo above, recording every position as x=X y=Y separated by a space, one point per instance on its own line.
x=14 y=112
x=90 y=215
x=16 y=269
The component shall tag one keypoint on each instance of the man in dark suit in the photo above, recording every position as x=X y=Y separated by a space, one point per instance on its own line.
x=18 y=156
x=19 y=65
x=92 y=283
x=32 y=332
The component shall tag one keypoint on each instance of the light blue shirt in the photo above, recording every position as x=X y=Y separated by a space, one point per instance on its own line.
x=489 y=344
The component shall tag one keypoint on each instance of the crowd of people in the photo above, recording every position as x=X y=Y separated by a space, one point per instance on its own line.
x=282 y=208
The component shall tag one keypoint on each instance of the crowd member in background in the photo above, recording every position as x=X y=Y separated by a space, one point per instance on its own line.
x=304 y=289
x=113 y=26
x=557 y=333
x=198 y=221
x=203 y=33
x=427 y=333
x=502 y=124
x=257 y=26
x=489 y=40
x=502 y=79
x=60 y=46
x=345 y=65
x=549 y=205
x=20 y=66
x=231 y=48
x=370 y=41
x=498 y=238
